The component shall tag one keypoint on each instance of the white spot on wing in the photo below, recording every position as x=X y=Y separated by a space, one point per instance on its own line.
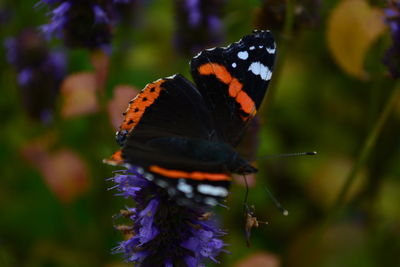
x=234 y=65
x=252 y=47
x=184 y=187
x=149 y=176
x=218 y=191
x=272 y=49
x=243 y=55
x=257 y=68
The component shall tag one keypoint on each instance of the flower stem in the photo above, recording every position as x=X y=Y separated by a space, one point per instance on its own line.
x=368 y=146
x=364 y=154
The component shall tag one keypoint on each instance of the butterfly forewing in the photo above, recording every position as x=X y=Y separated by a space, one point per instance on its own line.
x=233 y=81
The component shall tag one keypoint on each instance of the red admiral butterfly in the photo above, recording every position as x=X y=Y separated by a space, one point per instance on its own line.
x=183 y=135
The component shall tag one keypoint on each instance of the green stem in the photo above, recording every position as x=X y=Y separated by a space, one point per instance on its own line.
x=368 y=146
x=363 y=156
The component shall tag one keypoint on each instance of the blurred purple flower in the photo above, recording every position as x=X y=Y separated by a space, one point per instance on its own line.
x=85 y=24
x=164 y=233
x=199 y=25
x=39 y=72
x=392 y=56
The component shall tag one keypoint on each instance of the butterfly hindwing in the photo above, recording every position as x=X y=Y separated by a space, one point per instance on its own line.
x=187 y=179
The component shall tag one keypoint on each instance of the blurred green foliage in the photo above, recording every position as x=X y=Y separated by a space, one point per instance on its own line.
x=312 y=105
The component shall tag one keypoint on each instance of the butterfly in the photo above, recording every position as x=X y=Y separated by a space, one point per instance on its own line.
x=182 y=135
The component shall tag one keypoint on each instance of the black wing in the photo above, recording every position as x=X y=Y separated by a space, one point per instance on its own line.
x=167 y=107
x=168 y=131
x=233 y=81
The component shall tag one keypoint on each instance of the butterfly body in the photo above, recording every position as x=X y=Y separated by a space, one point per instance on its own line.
x=183 y=135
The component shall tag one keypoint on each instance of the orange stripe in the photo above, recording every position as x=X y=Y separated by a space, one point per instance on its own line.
x=245 y=102
x=235 y=87
x=138 y=105
x=191 y=175
x=216 y=69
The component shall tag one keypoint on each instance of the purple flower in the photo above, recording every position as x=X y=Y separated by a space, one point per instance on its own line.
x=100 y=15
x=85 y=24
x=392 y=56
x=39 y=72
x=198 y=24
x=59 y=19
x=165 y=233
x=25 y=76
x=193 y=10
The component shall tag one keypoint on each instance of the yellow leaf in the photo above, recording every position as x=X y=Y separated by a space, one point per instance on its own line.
x=352 y=27
x=79 y=95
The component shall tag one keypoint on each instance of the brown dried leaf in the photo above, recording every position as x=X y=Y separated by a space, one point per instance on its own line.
x=79 y=95
x=119 y=103
x=352 y=28
x=101 y=62
x=64 y=172
x=260 y=259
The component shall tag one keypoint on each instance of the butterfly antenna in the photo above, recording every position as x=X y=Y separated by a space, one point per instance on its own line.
x=278 y=205
x=313 y=153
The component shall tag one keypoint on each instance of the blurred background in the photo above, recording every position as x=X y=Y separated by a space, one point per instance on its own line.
x=69 y=68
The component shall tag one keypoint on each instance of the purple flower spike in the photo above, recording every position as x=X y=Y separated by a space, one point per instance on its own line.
x=39 y=72
x=194 y=15
x=199 y=25
x=86 y=24
x=25 y=76
x=100 y=15
x=163 y=232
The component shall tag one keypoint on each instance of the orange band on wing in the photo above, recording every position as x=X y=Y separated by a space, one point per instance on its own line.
x=139 y=104
x=216 y=69
x=115 y=159
x=191 y=175
x=235 y=86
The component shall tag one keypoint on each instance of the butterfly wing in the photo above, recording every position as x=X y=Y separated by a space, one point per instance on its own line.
x=167 y=131
x=233 y=81
x=169 y=106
